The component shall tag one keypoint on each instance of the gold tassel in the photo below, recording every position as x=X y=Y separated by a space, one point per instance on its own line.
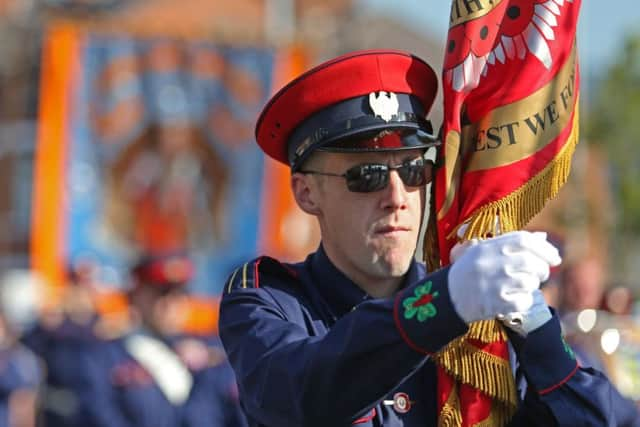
x=451 y=415
x=484 y=371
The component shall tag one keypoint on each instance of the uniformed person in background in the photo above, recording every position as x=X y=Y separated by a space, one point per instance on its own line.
x=62 y=338
x=153 y=376
x=344 y=337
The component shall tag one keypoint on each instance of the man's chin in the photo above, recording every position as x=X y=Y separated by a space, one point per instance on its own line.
x=393 y=267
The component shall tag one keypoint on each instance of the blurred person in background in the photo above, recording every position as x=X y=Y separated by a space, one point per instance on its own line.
x=558 y=296
x=583 y=284
x=589 y=309
x=62 y=338
x=20 y=369
x=153 y=375
x=597 y=325
x=581 y=290
x=573 y=286
x=618 y=300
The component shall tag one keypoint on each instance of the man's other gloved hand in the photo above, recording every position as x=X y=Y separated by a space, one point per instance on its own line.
x=499 y=275
x=530 y=320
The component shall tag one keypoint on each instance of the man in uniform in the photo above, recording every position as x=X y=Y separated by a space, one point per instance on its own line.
x=346 y=336
x=153 y=376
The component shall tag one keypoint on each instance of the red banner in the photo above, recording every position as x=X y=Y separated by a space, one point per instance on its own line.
x=510 y=127
x=510 y=113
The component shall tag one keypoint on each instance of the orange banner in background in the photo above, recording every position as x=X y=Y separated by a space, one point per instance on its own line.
x=286 y=232
x=61 y=82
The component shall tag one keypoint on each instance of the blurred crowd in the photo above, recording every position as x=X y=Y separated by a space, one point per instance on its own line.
x=68 y=362
x=600 y=320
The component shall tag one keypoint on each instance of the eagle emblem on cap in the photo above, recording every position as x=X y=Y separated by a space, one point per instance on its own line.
x=384 y=104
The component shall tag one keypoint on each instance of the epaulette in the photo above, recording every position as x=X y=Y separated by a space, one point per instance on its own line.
x=248 y=274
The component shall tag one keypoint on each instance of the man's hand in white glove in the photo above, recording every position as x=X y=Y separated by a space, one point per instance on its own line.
x=530 y=320
x=499 y=275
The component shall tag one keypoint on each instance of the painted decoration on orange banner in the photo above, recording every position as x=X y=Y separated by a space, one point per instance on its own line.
x=155 y=154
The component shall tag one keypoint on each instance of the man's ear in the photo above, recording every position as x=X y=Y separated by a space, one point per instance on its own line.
x=306 y=192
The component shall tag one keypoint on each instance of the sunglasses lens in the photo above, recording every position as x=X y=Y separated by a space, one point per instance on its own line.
x=367 y=178
x=415 y=173
x=371 y=177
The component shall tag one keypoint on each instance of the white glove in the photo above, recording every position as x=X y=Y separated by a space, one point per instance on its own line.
x=530 y=320
x=499 y=275
x=462 y=245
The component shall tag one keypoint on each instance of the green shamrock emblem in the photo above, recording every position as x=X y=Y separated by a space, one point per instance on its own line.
x=568 y=349
x=420 y=304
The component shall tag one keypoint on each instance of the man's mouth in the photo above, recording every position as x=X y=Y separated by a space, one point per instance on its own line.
x=391 y=230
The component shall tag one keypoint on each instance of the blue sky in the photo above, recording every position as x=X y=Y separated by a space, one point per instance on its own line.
x=601 y=29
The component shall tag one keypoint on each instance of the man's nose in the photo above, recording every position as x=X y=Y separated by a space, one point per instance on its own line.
x=395 y=194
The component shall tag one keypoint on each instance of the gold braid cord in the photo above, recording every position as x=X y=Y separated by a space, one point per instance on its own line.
x=465 y=362
x=450 y=415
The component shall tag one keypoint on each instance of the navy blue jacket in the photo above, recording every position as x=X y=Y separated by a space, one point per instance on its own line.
x=310 y=348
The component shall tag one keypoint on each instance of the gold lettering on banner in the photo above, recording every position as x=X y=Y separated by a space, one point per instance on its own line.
x=515 y=131
x=466 y=10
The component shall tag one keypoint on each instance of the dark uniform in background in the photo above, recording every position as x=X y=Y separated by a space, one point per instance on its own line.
x=63 y=350
x=310 y=347
x=153 y=377
x=62 y=338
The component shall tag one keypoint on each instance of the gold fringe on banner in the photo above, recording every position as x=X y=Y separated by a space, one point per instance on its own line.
x=489 y=373
x=516 y=209
x=486 y=331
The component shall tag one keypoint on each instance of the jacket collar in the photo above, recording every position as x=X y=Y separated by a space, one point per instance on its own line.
x=342 y=294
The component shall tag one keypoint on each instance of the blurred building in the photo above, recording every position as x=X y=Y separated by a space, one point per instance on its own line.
x=19 y=58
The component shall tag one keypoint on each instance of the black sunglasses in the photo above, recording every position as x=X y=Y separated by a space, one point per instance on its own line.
x=370 y=177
